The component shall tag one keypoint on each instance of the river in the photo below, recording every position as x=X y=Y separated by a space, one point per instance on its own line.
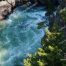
x=21 y=36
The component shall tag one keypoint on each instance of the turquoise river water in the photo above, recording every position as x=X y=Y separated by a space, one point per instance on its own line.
x=21 y=36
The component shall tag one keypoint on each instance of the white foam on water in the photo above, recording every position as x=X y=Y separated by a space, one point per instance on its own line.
x=21 y=36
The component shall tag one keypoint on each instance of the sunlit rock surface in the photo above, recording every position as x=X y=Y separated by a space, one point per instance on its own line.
x=5 y=9
x=21 y=36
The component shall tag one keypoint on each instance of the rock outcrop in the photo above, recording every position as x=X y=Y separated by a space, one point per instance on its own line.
x=5 y=9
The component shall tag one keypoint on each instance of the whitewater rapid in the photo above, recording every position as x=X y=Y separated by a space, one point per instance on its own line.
x=21 y=36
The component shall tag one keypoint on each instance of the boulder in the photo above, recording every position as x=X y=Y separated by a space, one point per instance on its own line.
x=5 y=9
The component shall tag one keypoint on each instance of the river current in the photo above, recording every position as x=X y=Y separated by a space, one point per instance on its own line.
x=21 y=36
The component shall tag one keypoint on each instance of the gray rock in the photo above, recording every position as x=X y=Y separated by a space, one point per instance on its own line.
x=5 y=9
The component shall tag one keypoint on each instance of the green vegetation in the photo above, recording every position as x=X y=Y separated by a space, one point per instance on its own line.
x=63 y=13
x=53 y=46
